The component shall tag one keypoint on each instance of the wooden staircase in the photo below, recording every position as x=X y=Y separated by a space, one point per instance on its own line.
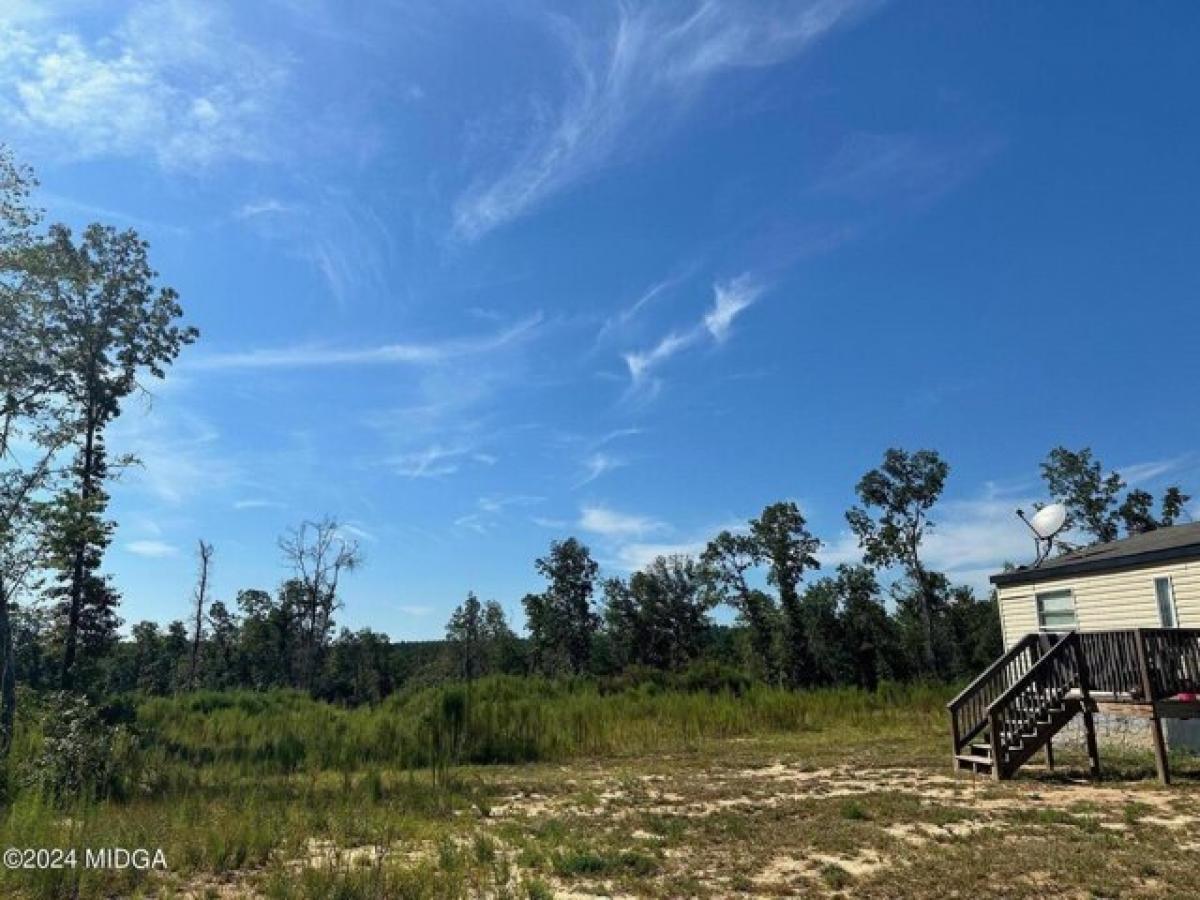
x=1016 y=707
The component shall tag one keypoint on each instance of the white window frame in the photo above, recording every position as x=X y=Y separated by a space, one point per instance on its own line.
x=1171 y=597
x=1037 y=605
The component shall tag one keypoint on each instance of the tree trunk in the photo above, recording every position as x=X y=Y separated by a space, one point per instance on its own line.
x=8 y=680
x=926 y=619
x=78 y=567
x=201 y=591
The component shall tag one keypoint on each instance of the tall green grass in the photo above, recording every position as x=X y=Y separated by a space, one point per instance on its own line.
x=506 y=720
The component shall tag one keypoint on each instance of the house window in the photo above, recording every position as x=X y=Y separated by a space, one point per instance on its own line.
x=1056 y=611
x=1166 y=602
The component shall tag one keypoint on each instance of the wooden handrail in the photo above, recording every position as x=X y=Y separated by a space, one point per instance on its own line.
x=1024 y=681
x=1009 y=655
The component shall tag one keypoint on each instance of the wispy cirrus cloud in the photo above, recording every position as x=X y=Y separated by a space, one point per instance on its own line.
x=342 y=237
x=635 y=552
x=910 y=169
x=435 y=461
x=650 y=61
x=172 y=81
x=257 y=504
x=490 y=508
x=609 y=523
x=623 y=317
x=268 y=206
x=152 y=549
x=640 y=363
x=180 y=455
x=599 y=464
x=1138 y=474
x=730 y=299
x=310 y=356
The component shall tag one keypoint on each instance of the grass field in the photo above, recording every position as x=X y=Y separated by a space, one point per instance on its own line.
x=564 y=791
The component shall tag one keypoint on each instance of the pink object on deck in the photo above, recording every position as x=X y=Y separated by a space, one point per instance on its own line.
x=1186 y=698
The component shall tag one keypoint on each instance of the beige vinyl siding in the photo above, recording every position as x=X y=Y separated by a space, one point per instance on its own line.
x=1106 y=600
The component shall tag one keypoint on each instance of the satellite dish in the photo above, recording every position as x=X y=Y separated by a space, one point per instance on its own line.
x=1049 y=520
x=1045 y=524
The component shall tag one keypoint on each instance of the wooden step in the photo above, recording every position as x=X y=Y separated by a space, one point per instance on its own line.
x=978 y=763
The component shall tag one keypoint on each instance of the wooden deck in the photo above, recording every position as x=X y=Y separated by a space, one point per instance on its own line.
x=1045 y=680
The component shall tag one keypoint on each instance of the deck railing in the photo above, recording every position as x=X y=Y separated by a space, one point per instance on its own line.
x=1113 y=662
x=969 y=710
x=1133 y=665
x=1059 y=671
x=1172 y=657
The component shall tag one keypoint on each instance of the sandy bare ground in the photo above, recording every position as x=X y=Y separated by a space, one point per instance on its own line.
x=781 y=828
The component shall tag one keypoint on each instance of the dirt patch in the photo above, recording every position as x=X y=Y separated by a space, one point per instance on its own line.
x=786 y=869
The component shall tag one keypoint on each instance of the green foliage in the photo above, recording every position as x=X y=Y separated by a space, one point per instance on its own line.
x=480 y=641
x=562 y=621
x=79 y=754
x=788 y=548
x=892 y=522
x=660 y=617
x=108 y=324
x=728 y=561
x=1093 y=499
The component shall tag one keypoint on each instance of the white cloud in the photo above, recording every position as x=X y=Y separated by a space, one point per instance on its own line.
x=152 y=549
x=432 y=462
x=903 y=168
x=640 y=364
x=356 y=531
x=617 y=434
x=636 y=556
x=171 y=81
x=475 y=521
x=644 y=68
x=490 y=508
x=637 y=553
x=598 y=464
x=609 y=523
x=179 y=454
x=731 y=298
x=266 y=207
x=417 y=354
x=1141 y=473
x=58 y=204
x=257 y=504
x=626 y=315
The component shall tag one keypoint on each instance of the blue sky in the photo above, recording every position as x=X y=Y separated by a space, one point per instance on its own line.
x=474 y=276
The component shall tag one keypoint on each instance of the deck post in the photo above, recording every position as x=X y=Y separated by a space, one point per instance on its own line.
x=1160 y=746
x=1089 y=731
x=1085 y=693
x=994 y=737
x=1050 y=754
x=955 y=738
x=1156 y=733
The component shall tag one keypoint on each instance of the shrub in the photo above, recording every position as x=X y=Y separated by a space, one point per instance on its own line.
x=81 y=755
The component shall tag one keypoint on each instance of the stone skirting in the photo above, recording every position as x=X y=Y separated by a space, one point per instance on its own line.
x=1130 y=731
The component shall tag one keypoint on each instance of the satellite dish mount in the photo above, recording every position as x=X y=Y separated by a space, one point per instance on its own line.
x=1045 y=524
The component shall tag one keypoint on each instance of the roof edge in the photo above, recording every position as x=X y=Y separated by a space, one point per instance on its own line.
x=1086 y=566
